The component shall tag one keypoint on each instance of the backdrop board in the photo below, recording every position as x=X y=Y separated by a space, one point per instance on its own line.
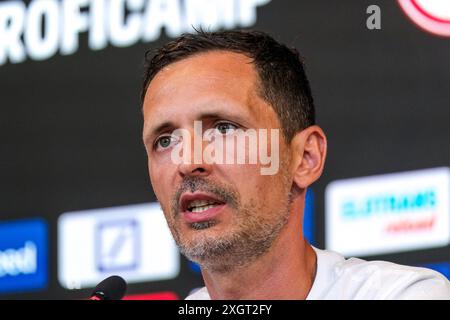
x=70 y=132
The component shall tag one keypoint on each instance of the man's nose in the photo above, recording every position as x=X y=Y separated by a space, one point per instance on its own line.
x=186 y=169
x=194 y=164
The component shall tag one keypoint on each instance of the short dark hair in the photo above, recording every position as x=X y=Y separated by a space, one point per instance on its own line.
x=282 y=79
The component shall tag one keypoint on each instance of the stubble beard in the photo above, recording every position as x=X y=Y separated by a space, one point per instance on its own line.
x=252 y=234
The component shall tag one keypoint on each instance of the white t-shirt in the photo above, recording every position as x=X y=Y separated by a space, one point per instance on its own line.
x=339 y=278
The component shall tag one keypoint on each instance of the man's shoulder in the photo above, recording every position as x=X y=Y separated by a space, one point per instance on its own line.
x=359 y=279
x=340 y=278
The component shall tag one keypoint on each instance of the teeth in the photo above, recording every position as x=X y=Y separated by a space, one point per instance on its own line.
x=202 y=208
x=200 y=203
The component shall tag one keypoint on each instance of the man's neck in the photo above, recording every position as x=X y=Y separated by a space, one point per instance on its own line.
x=287 y=271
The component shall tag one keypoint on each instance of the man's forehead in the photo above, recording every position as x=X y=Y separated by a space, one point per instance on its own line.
x=213 y=60
x=204 y=82
x=223 y=69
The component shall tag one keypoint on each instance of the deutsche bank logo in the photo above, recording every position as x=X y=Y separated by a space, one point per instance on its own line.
x=23 y=256
x=132 y=241
x=117 y=246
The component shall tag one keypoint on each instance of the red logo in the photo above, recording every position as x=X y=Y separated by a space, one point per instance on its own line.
x=430 y=15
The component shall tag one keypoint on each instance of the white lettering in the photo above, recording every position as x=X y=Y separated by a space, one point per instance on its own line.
x=12 y=18
x=98 y=37
x=74 y=22
x=43 y=27
x=248 y=144
x=247 y=11
x=19 y=261
x=125 y=33
x=209 y=14
x=374 y=20
x=159 y=14
x=42 y=47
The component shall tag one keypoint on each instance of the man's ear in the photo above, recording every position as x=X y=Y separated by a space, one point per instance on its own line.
x=309 y=150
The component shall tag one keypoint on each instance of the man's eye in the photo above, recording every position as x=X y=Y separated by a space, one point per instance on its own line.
x=225 y=128
x=164 y=142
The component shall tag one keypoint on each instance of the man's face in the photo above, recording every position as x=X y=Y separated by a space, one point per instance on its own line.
x=221 y=215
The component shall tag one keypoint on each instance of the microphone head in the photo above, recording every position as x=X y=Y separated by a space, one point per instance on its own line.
x=112 y=288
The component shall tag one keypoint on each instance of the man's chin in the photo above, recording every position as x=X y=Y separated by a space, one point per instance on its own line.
x=209 y=243
x=209 y=256
x=210 y=231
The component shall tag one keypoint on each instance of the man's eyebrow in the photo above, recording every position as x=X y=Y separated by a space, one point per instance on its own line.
x=152 y=132
x=222 y=114
x=212 y=115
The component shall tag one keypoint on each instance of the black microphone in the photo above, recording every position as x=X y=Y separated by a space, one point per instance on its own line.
x=112 y=288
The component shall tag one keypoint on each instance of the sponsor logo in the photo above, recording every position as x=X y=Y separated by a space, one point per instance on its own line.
x=132 y=241
x=388 y=213
x=23 y=256
x=430 y=15
x=117 y=245
x=43 y=28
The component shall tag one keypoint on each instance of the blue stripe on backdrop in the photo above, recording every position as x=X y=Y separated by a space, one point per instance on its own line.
x=308 y=220
x=441 y=267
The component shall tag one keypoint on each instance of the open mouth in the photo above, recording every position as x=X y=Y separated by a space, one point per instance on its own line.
x=197 y=207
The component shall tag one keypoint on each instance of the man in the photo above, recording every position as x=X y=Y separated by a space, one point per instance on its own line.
x=242 y=226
